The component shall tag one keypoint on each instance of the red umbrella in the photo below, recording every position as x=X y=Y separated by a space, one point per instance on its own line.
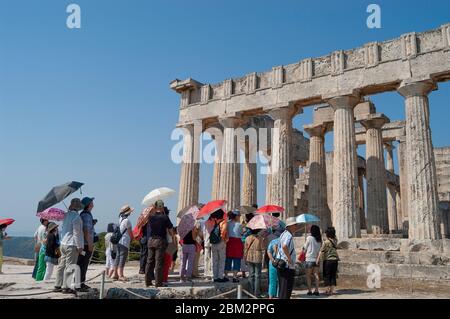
x=211 y=207
x=6 y=221
x=268 y=209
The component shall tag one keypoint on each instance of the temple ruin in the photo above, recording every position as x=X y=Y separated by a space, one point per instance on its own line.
x=413 y=202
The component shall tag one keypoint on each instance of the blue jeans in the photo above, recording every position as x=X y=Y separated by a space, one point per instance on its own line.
x=255 y=277
x=233 y=264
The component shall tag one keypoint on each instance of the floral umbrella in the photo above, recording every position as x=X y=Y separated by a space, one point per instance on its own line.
x=263 y=222
x=186 y=224
x=52 y=213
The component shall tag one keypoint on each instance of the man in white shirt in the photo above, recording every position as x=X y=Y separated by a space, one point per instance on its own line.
x=286 y=252
x=72 y=244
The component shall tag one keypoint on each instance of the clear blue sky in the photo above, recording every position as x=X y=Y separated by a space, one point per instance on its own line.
x=94 y=104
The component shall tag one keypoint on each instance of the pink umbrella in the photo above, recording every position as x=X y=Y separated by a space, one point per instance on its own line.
x=187 y=223
x=263 y=222
x=52 y=213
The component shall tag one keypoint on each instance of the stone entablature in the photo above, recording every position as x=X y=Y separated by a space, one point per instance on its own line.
x=392 y=131
x=372 y=68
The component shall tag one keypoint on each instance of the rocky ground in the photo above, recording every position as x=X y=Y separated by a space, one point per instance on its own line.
x=17 y=280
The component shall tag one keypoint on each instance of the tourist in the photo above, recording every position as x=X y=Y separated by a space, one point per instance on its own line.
x=88 y=233
x=254 y=250
x=205 y=226
x=167 y=263
x=330 y=260
x=175 y=253
x=159 y=225
x=286 y=252
x=272 y=251
x=3 y=236
x=72 y=243
x=189 y=250
x=218 y=237
x=110 y=251
x=123 y=246
x=312 y=249
x=39 y=237
x=245 y=233
x=52 y=252
x=235 y=247
x=140 y=233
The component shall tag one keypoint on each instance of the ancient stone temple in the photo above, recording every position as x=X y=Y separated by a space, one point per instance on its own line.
x=302 y=177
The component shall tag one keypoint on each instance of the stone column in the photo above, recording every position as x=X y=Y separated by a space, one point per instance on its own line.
x=398 y=202
x=401 y=153
x=268 y=187
x=282 y=181
x=229 y=187
x=391 y=191
x=189 y=179
x=317 y=189
x=377 y=216
x=249 y=183
x=345 y=183
x=424 y=214
x=216 y=172
x=361 y=202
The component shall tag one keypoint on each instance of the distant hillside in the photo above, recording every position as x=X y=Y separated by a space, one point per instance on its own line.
x=19 y=247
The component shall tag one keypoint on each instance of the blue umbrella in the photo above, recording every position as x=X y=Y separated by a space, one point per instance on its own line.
x=307 y=218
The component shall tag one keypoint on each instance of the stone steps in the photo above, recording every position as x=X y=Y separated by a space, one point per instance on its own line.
x=422 y=272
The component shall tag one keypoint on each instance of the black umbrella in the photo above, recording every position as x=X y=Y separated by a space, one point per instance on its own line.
x=57 y=194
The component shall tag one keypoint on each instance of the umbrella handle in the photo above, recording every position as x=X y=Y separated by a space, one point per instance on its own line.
x=65 y=205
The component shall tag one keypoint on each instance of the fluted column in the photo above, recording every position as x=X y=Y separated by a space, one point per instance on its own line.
x=391 y=191
x=377 y=216
x=249 y=183
x=361 y=203
x=268 y=186
x=282 y=181
x=402 y=172
x=345 y=182
x=216 y=171
x=189 y=179
x=398 y=202
x=317 y=186
x=424 y=214
x=229 y=187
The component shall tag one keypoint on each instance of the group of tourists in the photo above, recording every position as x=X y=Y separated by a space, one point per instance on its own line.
x=62 y=249
x=231 y=250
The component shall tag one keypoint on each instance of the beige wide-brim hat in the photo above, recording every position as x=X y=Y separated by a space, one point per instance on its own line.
x=51 y=226
x=126 y=210
x=291 y=221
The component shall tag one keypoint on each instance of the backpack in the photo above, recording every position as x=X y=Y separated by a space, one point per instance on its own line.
x=117 y=234
x=214 y=237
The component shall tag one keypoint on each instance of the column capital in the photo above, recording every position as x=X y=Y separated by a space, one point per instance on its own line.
x=318 y=130
x=343 y=102
x=286 y=112
x=375 y=120
x=231 y=121
x=418 y=88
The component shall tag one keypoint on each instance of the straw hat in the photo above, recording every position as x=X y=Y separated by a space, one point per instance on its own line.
x=126 y=210
x=51 y=226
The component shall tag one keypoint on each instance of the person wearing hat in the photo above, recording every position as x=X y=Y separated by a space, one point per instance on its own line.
x=235 y=246
x=88 y=233
x=286 y=252
x=39 y=249
x=158 y=226
x=123 y=246
x=71 y=246
x=51 y=250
